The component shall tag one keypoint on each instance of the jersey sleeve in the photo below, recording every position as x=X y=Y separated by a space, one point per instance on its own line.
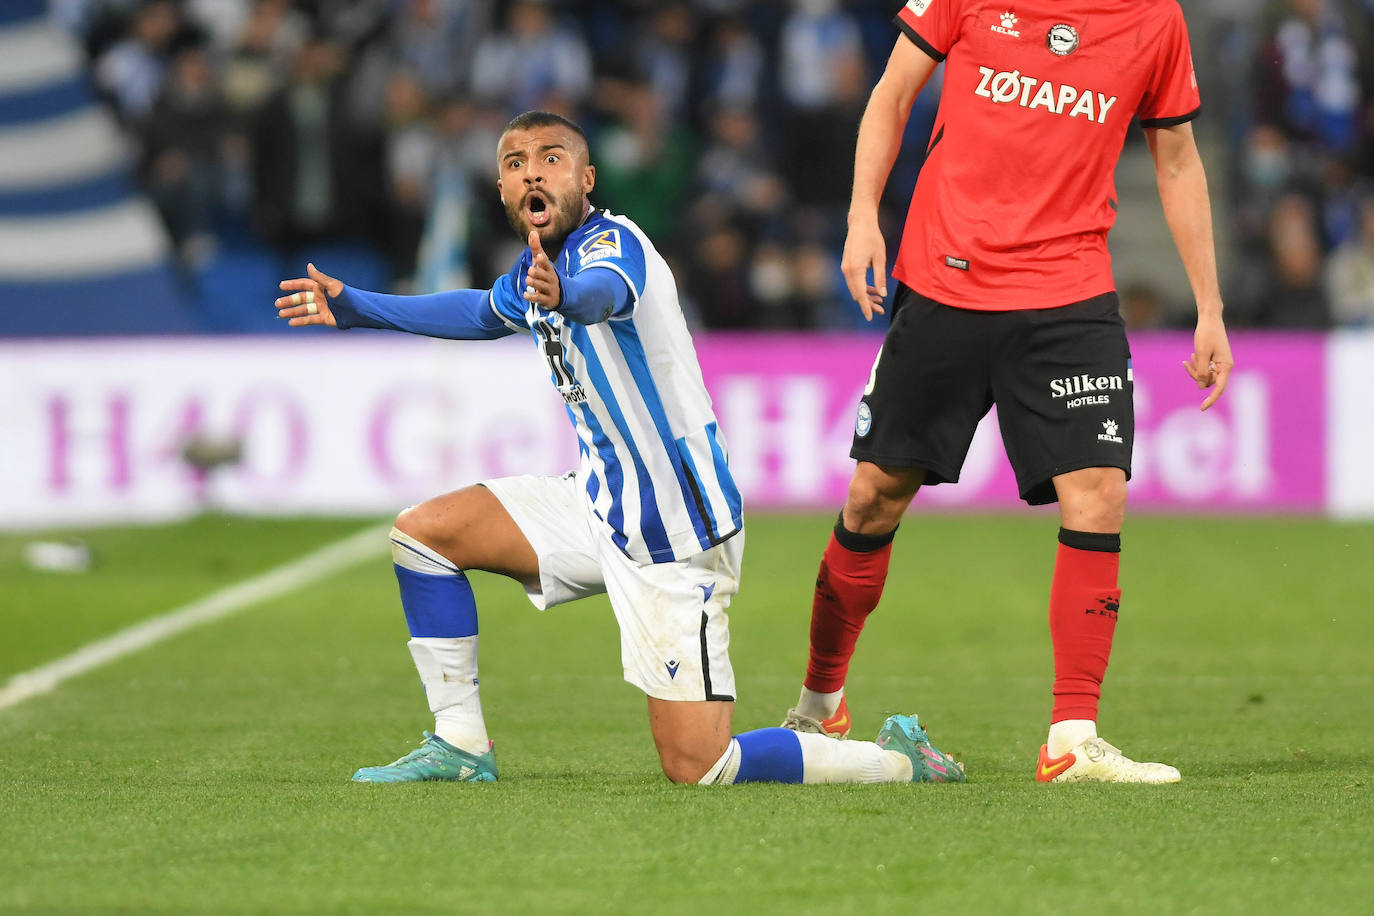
x=615 y=248
x=1171 y=97
x=506 y=302
x=933 y=25
x=458 y=314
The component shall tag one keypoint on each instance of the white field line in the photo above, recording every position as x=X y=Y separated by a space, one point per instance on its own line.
x=285 y=578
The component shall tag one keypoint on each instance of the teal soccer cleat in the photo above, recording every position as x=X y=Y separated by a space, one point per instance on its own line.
x=436 y=759
x=904 y=735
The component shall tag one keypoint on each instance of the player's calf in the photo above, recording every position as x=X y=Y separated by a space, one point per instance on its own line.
x=783 y=755
x=695 y=746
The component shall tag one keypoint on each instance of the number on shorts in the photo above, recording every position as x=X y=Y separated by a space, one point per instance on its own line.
x=873 y=374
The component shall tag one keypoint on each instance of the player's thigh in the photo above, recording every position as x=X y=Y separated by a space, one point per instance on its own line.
x=473 y=530
x=1064 y=390
x=552 y=516
x=927 y=391
x=674 y=625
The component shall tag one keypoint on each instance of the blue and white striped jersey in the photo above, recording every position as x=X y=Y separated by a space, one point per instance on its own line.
x=653 y=458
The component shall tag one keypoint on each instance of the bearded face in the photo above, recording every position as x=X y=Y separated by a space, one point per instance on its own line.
x=544 y=182
x=552 y=216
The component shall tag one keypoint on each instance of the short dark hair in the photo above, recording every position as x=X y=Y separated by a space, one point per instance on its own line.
x=544 y=119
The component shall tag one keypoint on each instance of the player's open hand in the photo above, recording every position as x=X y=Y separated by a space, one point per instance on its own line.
x=309 y=303
x=864 y=251
x=541 y=282
x=1211 y=362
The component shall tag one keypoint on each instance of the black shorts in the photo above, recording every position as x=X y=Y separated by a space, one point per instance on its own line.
x=1060 y=377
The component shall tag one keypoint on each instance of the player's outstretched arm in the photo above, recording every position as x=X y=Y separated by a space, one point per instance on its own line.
x=588 y=297
x=880 y=139
x=308 y=302
x=460 y=314
x=1188 y=211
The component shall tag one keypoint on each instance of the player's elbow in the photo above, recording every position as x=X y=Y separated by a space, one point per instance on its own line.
x=892 y=98
x=1172 y=171
x=1176 y=157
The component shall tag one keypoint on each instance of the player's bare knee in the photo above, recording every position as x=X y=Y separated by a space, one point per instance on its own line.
x=1107 y=494
x=1095 y=500
x=682 y=766
x=681 y=772
x=878 y=497
x=416 y=521
x=1112 y=495
x=435 y=524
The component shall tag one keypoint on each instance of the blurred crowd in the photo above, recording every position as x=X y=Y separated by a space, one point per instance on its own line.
x=1294 y=90
x=725 y=128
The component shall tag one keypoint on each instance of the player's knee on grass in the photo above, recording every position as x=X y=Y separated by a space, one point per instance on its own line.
x=690 y=736
x=688 y=764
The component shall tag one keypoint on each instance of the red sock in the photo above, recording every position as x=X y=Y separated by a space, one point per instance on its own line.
x=1083 y=605
x=848 y=587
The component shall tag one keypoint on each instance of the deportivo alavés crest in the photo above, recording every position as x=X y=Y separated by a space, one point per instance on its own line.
x=1062 y=39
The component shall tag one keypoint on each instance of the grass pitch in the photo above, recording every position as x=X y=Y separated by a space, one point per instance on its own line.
x=210 y=773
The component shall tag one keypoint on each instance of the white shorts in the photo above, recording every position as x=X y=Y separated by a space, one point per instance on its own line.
x=674 y=629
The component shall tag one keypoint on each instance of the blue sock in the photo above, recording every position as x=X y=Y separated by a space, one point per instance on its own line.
x=441 y=606
x=769 y=755
x=435 y=595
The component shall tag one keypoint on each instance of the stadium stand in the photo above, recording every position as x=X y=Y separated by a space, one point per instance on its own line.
x=142 y=187
x=81 y=252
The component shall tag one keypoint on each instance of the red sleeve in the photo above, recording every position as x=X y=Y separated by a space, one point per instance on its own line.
x=932 y=24
x=1171 y=97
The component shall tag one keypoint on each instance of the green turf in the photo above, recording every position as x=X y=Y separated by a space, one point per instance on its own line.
x=137 y=572
x=210 y=773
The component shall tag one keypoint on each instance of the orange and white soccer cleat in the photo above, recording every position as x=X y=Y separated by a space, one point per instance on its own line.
x=1094 y=760
x=837 y=726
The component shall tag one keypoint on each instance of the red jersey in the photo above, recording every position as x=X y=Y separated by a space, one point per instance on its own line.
x=1013 y=205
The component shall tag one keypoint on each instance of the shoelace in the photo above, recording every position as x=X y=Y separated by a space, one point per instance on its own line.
x=801 y=723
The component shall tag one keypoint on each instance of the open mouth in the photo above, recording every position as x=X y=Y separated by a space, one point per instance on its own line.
x=537 y=209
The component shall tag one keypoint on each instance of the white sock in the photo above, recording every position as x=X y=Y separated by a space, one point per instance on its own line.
x=828 y=760
x=825 y=760
x=724 y=770
x=1068 y=734
x=448 y=669
x=819 y=706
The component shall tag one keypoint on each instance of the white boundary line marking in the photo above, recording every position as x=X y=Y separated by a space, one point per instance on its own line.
x=230 y=600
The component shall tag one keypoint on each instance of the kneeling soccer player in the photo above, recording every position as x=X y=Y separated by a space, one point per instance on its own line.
x=651 y=517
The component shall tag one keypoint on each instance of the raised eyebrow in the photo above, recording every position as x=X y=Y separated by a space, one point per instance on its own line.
x=543 y=149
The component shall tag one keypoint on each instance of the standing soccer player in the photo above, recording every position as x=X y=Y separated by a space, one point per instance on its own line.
x=1006 y=297
x=651 y=517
